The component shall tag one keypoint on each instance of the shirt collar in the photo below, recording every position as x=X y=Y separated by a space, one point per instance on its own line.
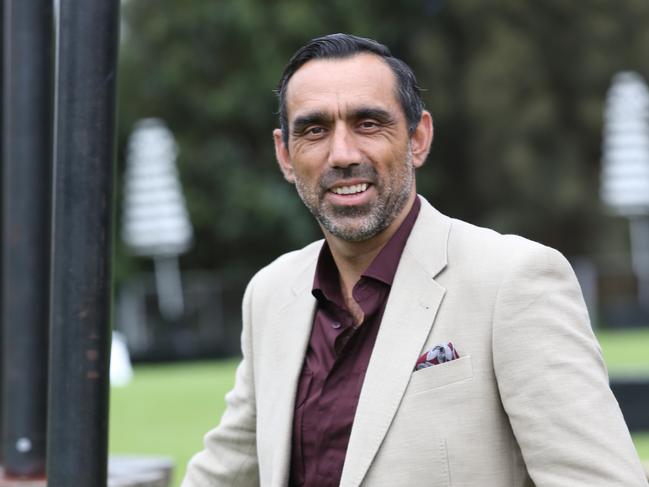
x=383 y=267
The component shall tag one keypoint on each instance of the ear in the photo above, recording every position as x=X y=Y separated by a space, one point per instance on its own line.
x=421 y=139
x=282 y=155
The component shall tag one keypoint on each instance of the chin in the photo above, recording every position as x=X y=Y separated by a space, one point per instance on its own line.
x=358 y=230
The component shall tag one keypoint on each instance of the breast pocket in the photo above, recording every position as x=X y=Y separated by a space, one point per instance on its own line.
x=440 y=375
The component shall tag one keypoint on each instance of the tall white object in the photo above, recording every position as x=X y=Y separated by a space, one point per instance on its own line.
x=121 y=370
x=155 y=221
x=625 y=166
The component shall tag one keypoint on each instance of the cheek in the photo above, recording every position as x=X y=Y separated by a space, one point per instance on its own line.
x=385 y=150
x=307 y=164
x=393 y=162
x=306 y=175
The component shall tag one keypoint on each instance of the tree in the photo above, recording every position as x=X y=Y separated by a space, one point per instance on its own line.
x=516 y=91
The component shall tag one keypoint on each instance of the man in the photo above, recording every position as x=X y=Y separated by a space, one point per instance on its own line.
x=408 y=348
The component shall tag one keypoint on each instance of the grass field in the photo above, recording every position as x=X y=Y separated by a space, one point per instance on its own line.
x=626 y=352
x=166 y=409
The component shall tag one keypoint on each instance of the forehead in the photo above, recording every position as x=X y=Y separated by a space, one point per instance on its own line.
x=338 y=85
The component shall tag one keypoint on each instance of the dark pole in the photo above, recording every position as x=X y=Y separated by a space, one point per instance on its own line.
x=87 y=41
x=2 y=9
x=27 y=145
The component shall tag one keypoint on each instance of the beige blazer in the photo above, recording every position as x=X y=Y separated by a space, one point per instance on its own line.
x=528 y=402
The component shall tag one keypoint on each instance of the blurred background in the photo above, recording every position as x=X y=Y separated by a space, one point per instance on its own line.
x=518 y=93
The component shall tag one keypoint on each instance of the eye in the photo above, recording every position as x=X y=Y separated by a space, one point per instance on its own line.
x=369 y=125
x=315 y=132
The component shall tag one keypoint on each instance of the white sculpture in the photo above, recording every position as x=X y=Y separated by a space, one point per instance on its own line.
x=625 y=166
x=155 y=221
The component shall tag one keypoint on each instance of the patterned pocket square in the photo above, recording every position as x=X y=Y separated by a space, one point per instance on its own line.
x=444 y=352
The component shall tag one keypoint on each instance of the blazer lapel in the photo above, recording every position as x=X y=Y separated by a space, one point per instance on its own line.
x=291 y=329
x=410 y=311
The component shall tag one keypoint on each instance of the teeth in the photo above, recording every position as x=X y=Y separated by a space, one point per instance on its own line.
x=358 y=188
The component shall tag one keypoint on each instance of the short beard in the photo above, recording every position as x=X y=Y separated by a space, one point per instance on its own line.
x=357 y=224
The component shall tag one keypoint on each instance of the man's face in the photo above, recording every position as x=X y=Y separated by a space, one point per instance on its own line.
x=349 y=152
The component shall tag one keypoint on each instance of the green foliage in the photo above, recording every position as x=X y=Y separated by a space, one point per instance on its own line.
x=516 y=90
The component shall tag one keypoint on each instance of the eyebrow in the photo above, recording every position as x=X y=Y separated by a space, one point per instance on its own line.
x=313 y=118
x=378 y=114
x=322 y=118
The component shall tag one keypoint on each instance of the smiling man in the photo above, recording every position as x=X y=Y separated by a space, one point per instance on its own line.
x=407 y=348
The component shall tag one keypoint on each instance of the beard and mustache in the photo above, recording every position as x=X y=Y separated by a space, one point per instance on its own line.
x=357 y=223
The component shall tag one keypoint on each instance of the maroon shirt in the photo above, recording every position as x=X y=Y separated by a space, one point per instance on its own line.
x=336 y=361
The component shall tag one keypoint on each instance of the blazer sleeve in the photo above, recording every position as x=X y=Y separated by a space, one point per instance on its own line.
x=553 y=382
x=229 y=457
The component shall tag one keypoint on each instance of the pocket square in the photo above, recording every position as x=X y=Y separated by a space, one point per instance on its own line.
x=444 y=352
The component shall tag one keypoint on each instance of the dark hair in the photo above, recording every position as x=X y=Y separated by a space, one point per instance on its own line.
x=338 y=46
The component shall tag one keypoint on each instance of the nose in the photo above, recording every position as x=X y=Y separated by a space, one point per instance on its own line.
x=344 y=150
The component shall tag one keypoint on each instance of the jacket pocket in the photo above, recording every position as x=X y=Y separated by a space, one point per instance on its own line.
x=440 y=375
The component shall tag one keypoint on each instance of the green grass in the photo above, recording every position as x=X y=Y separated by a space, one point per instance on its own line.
x=626 y=352
x=166 y=409
x=641 y=441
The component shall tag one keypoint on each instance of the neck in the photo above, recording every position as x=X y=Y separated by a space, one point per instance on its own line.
x=352 y=258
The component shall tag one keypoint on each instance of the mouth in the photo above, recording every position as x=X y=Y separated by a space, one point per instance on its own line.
x=351 y=189
x=350 y=195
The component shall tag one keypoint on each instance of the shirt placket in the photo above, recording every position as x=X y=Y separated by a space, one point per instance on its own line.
x=342 y=323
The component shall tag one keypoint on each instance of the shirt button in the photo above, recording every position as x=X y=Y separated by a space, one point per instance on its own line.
x=335 y=325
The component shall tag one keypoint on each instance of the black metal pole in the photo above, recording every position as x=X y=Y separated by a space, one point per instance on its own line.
x=2 y=9
x=87 y=41
x=26 y=205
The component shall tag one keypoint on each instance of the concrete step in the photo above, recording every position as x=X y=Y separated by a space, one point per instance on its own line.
x=123 y=471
